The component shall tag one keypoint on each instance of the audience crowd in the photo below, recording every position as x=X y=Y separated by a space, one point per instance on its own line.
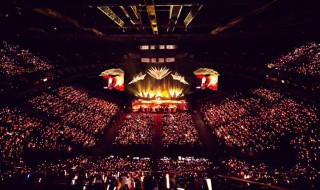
x=184 y=164
x=277 y=118
x=266 y=94
x=306 y=177
x=253 y=122
x=136 y=130
x=303 y=60
x=114 y=172
x=83 y=123
x=260 y=129
x=229 y=110
x=15 y=61
x=178 y=129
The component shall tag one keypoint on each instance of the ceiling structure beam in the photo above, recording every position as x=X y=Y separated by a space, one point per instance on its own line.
x=192 y=14
x=95 y=3
x=58 y=16
x=239 y=19
x=152 y=16
x=128 y=37
x=174 y=14
x=133 y=15
x=113 y=16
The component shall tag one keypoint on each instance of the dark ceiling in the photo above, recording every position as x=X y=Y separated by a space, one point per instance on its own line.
x=248 y=27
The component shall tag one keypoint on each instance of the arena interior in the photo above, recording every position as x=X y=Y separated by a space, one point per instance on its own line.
x=159 y=94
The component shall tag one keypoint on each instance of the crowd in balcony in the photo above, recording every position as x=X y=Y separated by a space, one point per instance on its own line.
x=136 y=130
x=16 y=61
x=303 y=60
x=179 y=129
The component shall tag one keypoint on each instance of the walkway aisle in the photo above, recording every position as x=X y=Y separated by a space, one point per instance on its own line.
x=156 y=136
x=105 y=144
x=210 y=144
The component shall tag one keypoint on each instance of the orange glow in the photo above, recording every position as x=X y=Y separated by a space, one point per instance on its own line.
x=171 y=93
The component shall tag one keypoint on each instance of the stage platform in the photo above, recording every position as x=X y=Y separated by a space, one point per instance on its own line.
x=159 y=105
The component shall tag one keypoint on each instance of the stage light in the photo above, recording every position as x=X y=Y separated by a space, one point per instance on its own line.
x=208 y=180
x=159 y=94
x=137 y=78
x=170 y=93
x=205 y=71
x=158 y=73
x=167 y=181
x=180 y=78
x=175 y=92
x=112 y=72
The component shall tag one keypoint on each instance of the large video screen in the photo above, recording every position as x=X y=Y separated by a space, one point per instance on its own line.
x=207 y=82
x=206 y=78
x=114 y=82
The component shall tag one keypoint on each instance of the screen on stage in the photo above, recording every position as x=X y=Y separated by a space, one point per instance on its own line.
x=113 y=82
x=113 y=79
x=207 y=79
x=207 y=82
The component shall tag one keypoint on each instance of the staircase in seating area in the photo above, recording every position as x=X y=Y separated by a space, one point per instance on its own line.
x=105 y=143
x=156 y=135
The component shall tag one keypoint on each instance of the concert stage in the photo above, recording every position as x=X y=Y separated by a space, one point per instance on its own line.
x=159 y=105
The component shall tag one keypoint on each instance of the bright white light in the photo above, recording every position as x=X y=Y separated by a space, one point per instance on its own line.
x=144 y=47
x=208 y=180
x=167 y=181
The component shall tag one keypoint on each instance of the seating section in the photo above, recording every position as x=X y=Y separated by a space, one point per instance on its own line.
x=116 y=172
x=178 y=129
x=136 y=130
x=70 y=106
x=304 y=60
x=184 y=165
x=297 y=176
x=15 y=61
x=262 y=129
